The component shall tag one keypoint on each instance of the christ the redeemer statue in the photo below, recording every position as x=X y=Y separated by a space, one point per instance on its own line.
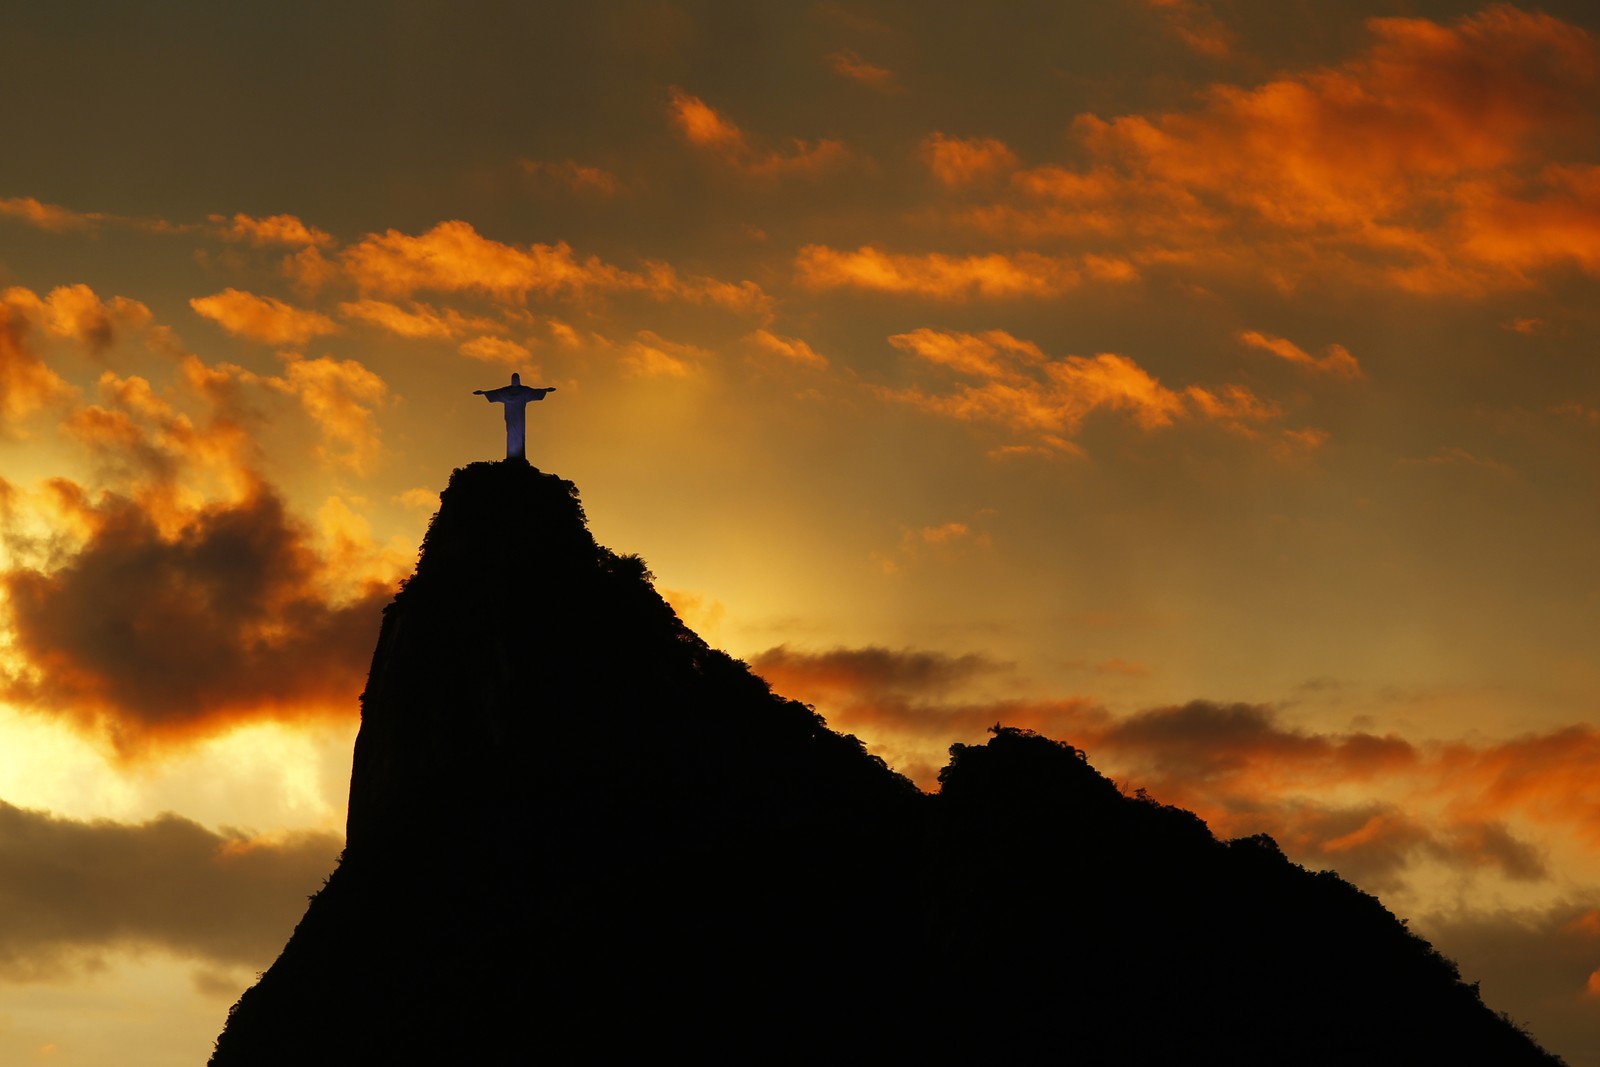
x=515 y=397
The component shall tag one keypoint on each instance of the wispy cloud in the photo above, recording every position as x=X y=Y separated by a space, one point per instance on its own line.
x=708 y=130
x=937 y=276
x=847 y=64
x=1197 y=26
x=263 y=318
x=452 y=257
x=573 y=177
x=272 y=230
x=792 y=349
x=956 y=162
x=1044 y=400
x=1336 y=360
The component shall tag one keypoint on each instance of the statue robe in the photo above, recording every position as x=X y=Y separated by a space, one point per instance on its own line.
x=516 y=398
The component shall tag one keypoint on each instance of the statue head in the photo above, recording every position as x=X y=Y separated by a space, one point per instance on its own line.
x=516 y=379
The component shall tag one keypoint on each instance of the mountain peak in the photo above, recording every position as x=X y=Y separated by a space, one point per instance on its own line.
x=576 y=831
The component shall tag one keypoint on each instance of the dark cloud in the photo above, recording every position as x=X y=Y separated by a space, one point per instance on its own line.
x=1490 y=844
x=1542 y=967
x=1205 y=740
x=1248 y=772
x=149 y=635
x=1239 y=766
x=872 y=669
x=1373 y=844
x=72 y=890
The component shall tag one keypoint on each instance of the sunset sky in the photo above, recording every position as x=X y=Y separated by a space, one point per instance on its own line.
x=1212 y=385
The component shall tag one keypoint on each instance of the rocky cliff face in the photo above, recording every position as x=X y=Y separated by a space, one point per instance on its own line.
x=578 y=833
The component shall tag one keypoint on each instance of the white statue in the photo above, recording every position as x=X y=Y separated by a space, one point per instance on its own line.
x=515 y=397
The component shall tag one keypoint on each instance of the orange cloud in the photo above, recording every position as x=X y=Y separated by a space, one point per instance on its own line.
x=1336 y=360
x=1046 y=400
x=650 y=355
x=74 y=311
x=173 y=460
x=57 y=219
x=420 y=498
x=1467 y=178
x=957 y=162
x=1239 y=767
x=1551 y=220
x=170 y=450
x=1233 y=406
x=1551 y=778
x=272 y=230
x=1426 y=102
x=905 y=703
x=847 y=64
x=353 y=560
x=1575 y=410
x=418 y=321
x=263 y=318
x=340 y=395
x=1196 y=26
x=943 y=541
x=944 y=533
x=1304 y=440
x=995 y=276
x=46 y=216
x=991 y=354
x=453 y=257
x=704 y=127
x=26 y=382
x=308 y=269
x=662 y=281
x=573 y=176
x=496 y=350
x=563 y=334
x=790 y=348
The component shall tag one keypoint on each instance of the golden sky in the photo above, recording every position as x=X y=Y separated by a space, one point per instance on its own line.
x=1211 y=385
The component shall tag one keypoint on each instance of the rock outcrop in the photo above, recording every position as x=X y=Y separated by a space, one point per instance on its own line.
x=577 y=833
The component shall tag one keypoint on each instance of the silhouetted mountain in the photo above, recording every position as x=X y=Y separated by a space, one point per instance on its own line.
x=578 y=834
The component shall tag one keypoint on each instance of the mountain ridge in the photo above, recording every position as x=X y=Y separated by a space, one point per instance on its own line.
x=577 y=831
